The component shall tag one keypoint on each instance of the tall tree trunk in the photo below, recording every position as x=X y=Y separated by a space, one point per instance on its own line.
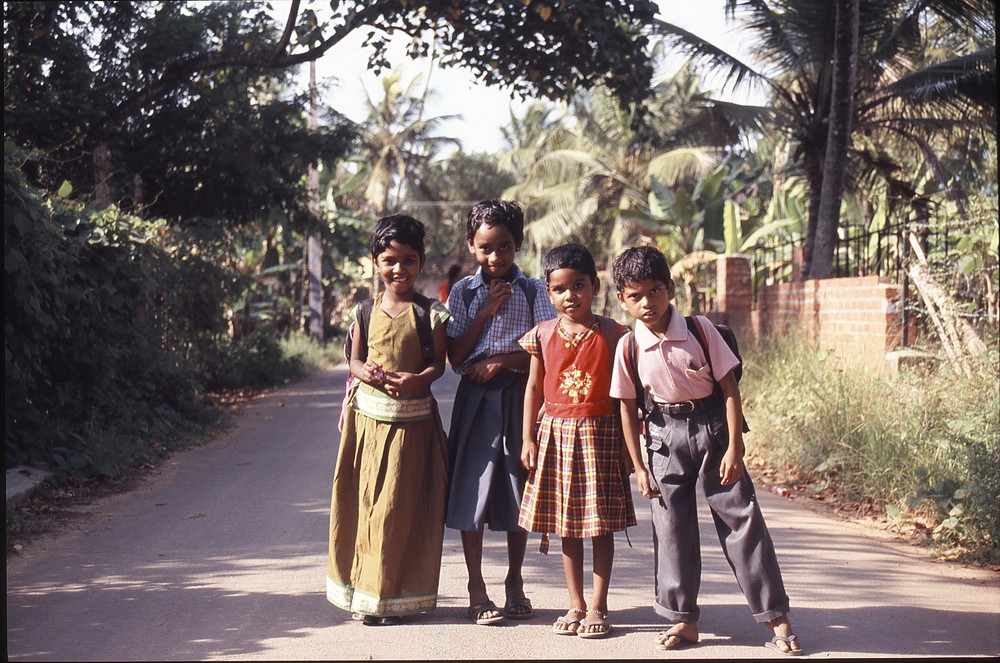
x=314 y=248
x=102 y=175
x=814 y=176
x=845 y=65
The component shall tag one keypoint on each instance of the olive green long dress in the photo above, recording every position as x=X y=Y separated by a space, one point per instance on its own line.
x=390 y=485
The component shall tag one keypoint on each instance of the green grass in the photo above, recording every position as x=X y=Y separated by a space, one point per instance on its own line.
x=925 y=443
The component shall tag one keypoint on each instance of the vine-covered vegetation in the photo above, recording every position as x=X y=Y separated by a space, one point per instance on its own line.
x=115 y=330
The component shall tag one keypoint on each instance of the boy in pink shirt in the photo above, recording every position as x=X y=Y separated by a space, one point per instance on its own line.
x=690 y=434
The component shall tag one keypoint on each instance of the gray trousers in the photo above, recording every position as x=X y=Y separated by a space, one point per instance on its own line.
x=681 y=451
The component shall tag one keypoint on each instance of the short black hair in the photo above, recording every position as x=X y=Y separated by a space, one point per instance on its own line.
x=504 y=213
x=570 y=256
x=400 y=228
x=638 y=264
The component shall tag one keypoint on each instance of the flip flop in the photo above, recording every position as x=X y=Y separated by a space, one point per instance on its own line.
x=606 y=626
x=373 y=620
x=788 y=640
x=572 y=623
x=479 y=613
x=519 y=608
x=682 y=640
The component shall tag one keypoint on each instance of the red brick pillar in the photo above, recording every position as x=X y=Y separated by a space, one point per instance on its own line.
x=798 y=257
x=734 y=292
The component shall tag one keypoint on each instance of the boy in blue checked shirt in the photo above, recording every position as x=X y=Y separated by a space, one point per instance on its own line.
x=491 y=310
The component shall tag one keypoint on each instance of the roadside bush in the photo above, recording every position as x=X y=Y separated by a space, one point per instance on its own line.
x=255 y=362
x=923 y=443
x=98 y=336
x=310 y=356
x=261 y=360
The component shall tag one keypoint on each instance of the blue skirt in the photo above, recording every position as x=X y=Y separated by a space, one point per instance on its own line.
x=484 y=446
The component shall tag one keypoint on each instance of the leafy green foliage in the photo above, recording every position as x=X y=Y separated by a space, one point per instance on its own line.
x=227 y=144
x=113 y=330
x=98 y=331
x=925 y=70
x=547 y=49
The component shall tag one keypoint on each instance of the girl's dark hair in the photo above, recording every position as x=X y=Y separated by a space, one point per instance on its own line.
x=400 y=228
x=569 y=256
x=504 y=213
x=638 y=264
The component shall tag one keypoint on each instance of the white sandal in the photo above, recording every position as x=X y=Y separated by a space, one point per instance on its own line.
x=572 y=623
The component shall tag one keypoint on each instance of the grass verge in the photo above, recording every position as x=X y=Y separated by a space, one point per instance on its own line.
x=920 y=451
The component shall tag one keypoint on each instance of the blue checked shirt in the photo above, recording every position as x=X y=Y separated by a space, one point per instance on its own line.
x=502 y=331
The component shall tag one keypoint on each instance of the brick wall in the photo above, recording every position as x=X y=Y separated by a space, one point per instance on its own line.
x=858 y=318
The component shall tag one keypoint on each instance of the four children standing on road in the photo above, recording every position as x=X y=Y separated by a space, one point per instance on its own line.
x=535 y=443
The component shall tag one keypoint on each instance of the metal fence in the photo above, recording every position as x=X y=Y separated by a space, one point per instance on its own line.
x=886 y=251
x=859 y=252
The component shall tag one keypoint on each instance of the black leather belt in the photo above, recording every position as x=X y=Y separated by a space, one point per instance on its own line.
x=684 y=407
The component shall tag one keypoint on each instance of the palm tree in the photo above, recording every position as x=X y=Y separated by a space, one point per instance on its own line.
x=592 y=165
x=398 y=140
x=892 y=98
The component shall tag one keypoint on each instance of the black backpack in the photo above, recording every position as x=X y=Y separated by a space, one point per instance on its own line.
x=422 y=309
x=727 y=335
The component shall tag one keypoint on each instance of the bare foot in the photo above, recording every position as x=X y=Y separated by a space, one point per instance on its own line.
x=677 y=636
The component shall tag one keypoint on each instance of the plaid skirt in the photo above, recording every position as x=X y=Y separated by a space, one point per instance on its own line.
x=579 y=487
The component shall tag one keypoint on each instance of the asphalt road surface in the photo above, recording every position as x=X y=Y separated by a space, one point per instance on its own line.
x=221 y=555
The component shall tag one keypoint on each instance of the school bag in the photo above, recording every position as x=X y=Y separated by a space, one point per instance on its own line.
x=727 y=334
x=422 y=310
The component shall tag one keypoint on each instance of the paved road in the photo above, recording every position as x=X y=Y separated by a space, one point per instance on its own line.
x=222 y=556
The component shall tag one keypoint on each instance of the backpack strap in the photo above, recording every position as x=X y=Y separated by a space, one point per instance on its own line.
x=545 y=330
x=363 y=318
x=422 y=309
x=632 y=361
x=609 y=329
x=695 y=328
x=530 y=291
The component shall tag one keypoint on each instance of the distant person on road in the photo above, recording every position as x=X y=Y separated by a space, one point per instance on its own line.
x=454 y=272
x=691 y=437
x=578 y=482
x=490 y=311
x=390 y=483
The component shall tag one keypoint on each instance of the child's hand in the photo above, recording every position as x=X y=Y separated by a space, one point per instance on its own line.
x=627 y=466
x=731 y=468
x=401 y=384
x=529 y=454
x=500 y=292
x=373 y=373
x=642 y=483
x=484 y=370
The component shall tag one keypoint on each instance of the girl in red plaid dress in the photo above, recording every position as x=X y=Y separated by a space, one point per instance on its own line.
x=578 y=483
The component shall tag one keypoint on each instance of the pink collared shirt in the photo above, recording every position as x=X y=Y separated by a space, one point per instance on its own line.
x=674 y=368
